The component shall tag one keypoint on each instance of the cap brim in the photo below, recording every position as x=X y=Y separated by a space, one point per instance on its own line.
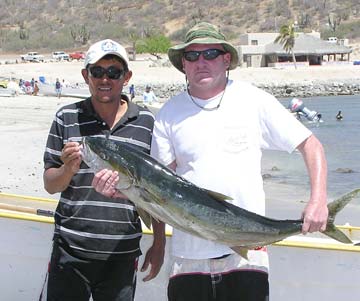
x=99 y=57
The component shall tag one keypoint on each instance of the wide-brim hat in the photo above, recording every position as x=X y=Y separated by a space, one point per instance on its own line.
x=202 y=33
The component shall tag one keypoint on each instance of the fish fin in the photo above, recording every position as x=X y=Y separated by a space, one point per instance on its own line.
x=146 y=217
x=242 y=251
x=337 y=234
x=218 y=196
x=334 y=208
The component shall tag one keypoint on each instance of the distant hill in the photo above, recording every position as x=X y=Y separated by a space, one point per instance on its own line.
x=47 y=25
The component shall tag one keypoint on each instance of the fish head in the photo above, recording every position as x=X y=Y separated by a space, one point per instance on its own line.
x=100 y=153
x=93 y=154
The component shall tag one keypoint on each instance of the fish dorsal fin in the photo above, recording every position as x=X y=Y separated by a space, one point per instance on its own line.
x=218 y=196
x=146 y=217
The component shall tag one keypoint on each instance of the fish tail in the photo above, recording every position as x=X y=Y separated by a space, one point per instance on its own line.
x=334 y=208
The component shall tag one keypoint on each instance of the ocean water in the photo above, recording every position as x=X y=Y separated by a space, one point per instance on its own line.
x=341 y=141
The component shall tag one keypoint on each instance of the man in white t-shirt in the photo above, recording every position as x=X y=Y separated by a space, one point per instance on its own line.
x=205 y=137
x=149 y=96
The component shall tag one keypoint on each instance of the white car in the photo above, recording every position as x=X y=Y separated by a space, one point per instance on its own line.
x=60 y=56
x=32 y=57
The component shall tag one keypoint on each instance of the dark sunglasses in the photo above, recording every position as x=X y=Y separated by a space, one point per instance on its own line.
x=208 y=54
x=111 y=72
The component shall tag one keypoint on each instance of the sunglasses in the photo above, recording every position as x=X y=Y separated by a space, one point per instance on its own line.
x=208 y=54
x=111 y=72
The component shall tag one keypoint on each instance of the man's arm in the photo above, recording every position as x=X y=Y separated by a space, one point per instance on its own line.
x=58 y=179
x=155 y=254
x=315 y=213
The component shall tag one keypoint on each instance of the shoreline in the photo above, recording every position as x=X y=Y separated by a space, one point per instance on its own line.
x=168 y=81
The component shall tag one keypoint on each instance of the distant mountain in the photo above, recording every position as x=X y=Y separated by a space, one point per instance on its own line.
x=73 y=24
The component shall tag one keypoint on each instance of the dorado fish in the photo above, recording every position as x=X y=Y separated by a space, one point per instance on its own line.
x=172 y=199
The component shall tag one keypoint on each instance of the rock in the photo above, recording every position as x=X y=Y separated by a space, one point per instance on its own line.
x=344 y=170
x=279 y=90
x=266 y=176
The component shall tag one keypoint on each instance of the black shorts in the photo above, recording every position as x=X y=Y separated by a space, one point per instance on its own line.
x=71 y=278
x=233 y=286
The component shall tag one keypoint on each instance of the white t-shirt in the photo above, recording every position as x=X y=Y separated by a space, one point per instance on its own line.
x=220 y=150
x=149 y=97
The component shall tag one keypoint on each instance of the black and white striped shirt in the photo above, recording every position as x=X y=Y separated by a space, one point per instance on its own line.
x=86 y=222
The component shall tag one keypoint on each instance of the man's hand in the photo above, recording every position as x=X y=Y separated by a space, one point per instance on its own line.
x=315 y=217
x=105 y=182
x=71 y=157
x=58 y=179
x=155 y=258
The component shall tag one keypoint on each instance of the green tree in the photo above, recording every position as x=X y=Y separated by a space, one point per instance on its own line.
x=286 y=37
x=154 y=45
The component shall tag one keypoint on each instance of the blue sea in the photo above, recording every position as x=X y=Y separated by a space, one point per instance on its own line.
x=341 y=141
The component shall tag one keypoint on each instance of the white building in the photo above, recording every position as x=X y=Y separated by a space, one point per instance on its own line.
x=259 y=50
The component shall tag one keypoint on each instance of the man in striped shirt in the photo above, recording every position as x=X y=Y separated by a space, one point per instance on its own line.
x=96 y=238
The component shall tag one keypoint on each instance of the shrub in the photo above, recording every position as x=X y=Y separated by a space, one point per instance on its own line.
x=154 y=44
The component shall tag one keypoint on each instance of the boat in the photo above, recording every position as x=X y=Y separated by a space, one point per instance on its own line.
x=309 y=267
x=298 y=109
x=66 y=91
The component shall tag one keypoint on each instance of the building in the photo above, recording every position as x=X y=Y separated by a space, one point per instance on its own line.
x=259 y=50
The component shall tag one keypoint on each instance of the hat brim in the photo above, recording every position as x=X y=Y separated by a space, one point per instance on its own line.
x=99 y=57
x=175 y=53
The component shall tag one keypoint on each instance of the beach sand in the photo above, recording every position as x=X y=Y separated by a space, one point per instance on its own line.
x=144 y=73
x=24 y=125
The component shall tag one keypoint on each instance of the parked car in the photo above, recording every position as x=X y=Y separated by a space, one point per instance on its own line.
x=60 y=56
x=77 y=55
x=3 y=83
x=32 y=57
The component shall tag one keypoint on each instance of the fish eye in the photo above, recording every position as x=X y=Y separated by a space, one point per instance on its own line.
x=103 y=156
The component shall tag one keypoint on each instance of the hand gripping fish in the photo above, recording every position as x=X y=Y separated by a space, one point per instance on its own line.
x=168 y=197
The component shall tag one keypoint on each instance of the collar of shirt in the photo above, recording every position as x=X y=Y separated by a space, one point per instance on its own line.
x=131 y=113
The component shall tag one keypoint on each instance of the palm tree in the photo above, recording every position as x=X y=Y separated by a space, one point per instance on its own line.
x=286 y=37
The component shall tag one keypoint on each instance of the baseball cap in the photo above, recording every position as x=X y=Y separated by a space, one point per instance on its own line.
x=202 y=33
x=98 y=50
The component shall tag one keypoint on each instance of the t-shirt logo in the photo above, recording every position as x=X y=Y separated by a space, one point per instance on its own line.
x=235 y=139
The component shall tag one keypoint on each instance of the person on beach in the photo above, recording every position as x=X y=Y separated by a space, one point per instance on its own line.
x=96 y=239
x=132 y=91
x=58 y=88
x=202 y=135
x=36 y=89
x=149 y=96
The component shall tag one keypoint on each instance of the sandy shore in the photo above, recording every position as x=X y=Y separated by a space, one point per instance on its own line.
x=143 y=73
x=24 y=124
